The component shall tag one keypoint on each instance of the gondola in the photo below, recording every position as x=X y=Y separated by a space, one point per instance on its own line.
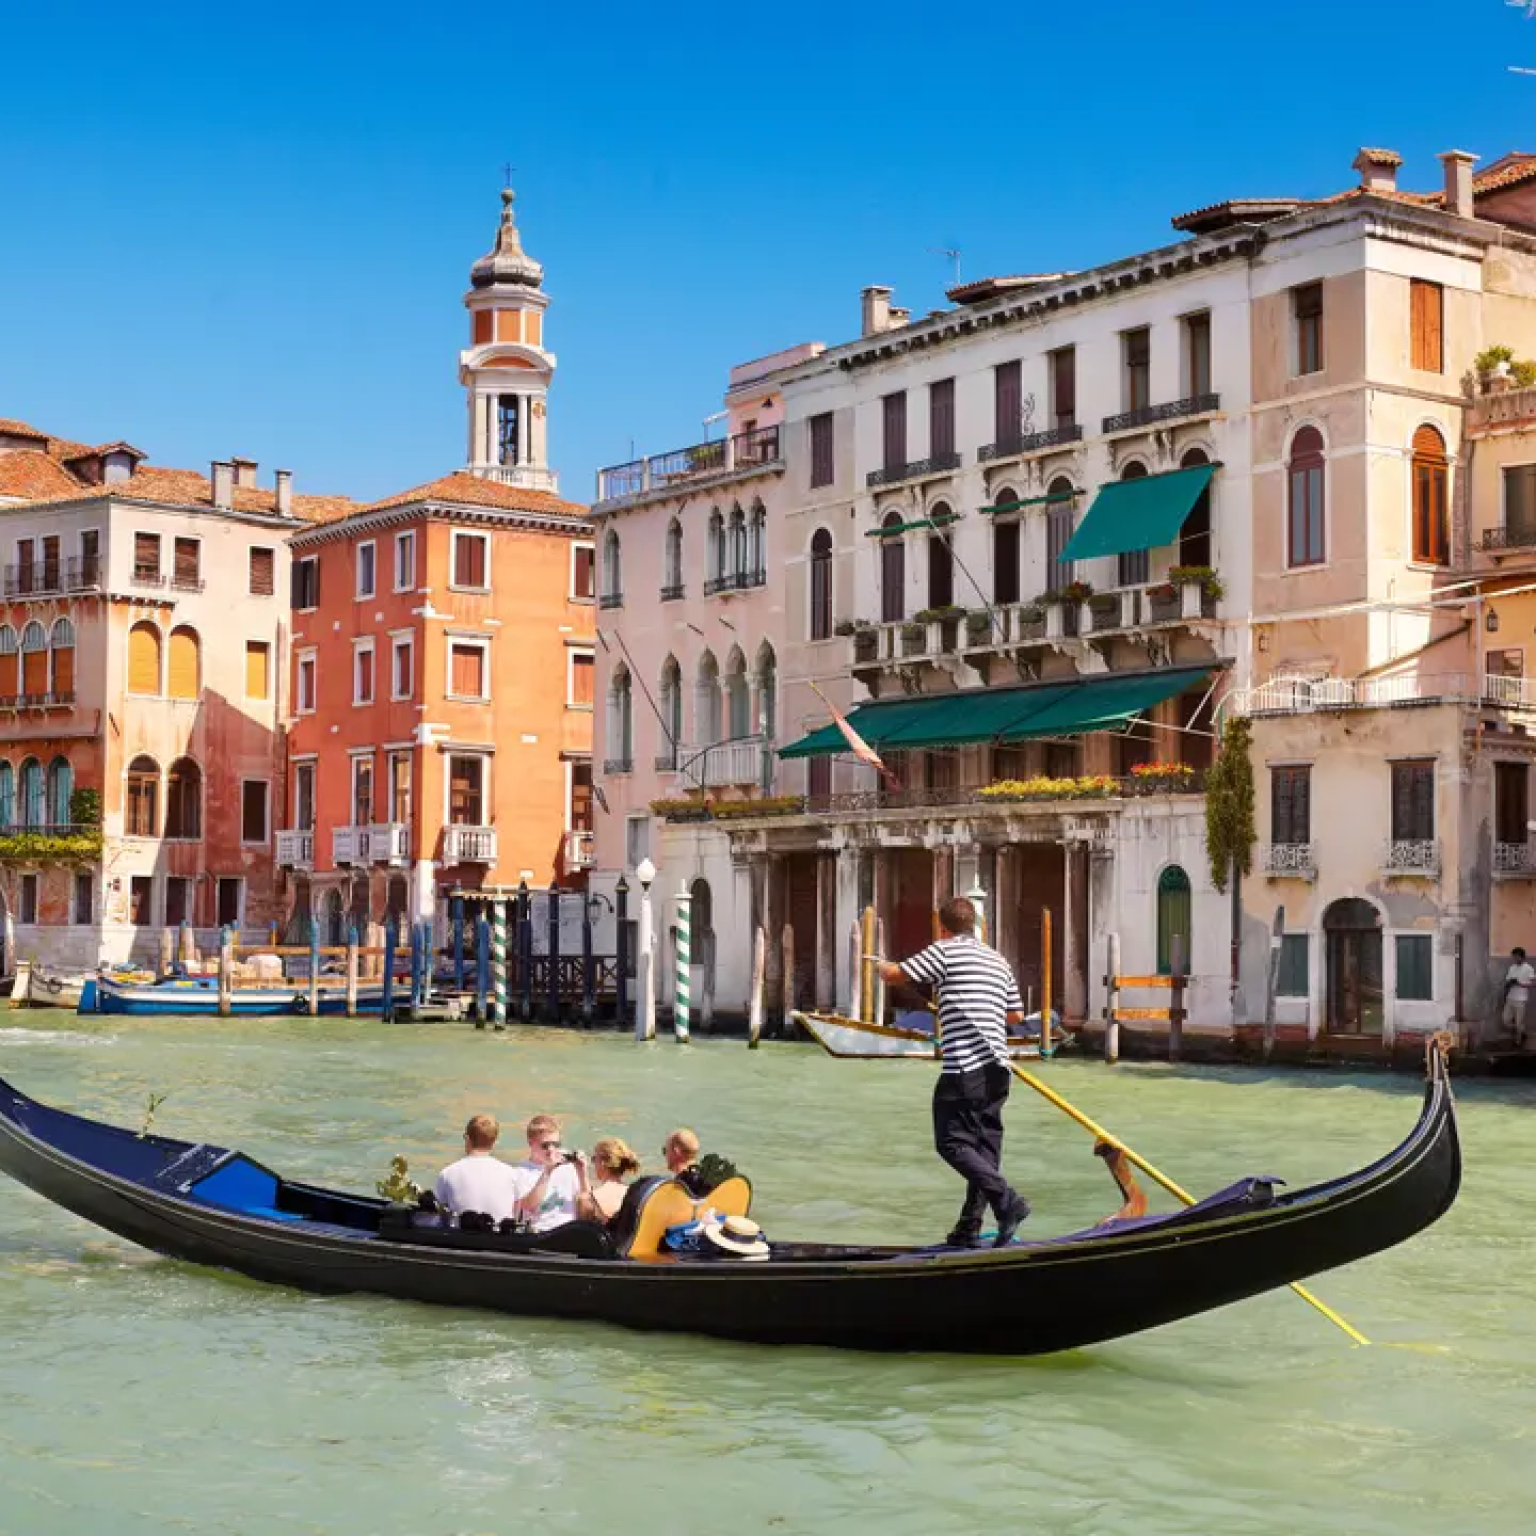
x=210 y=1205
x=910 y=1038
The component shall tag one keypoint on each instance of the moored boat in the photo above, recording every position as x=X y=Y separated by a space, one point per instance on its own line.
x=213 y=1205
x=841 y=1036
x=199 y=995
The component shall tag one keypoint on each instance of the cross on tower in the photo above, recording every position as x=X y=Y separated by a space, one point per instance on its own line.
x=508 y=168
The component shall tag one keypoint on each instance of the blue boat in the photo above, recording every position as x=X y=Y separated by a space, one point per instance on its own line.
x=199 y=996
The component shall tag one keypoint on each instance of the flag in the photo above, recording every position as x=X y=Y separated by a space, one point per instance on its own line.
x=860 y=748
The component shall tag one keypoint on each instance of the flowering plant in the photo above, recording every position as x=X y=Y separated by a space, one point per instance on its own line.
x=1162 y=771
x=1039 y=787
x=1077 y=591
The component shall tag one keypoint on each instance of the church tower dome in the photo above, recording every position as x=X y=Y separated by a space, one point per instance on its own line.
x=505 y=371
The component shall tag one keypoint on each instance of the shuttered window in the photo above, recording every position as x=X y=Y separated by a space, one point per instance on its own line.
x=367 y=569
x=1290 y=800
x=894 y=422
x=1005 y=562
x=1413 y=802
x=184 y=675
x=400 y=786
x=941 y=417
x=820 y=428
x=10 y=662
x=403 y=683
x=1415 y=968
x=1511 y=802
x=583 y=664
x=362 y=673
x=34 y=661
x=821 y=585
x=146 y=557
x=1064 y=387
x=1294 y=964
x=470 y=560
x=1138 y=368
x=62 y=646
x=304 y=581
x=1008 y=402
x=258 y=678
x=1426 y=326
x=1307 y=311
x=254 y=795
x=50 y=573
x=305 y=685
x=466 y=678
x=1431 y=516
x=187 y=572
x=263 y=572
x=584 y=573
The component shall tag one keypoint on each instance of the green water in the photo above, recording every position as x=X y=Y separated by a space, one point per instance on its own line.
x=143 y=1396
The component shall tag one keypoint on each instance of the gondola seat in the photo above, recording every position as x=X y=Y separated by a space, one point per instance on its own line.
x=655 y=1204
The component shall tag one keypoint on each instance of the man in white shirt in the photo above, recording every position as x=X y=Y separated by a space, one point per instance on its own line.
x=478 y=1181
x=1517 y=990
x=551 y=1182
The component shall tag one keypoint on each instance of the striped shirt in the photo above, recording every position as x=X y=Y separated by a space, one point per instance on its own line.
x=976 y=993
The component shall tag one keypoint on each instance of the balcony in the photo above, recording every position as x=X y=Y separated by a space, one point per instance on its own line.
x=745 y=761
x=1288 y=861
x=666 y=762
x=578 y=850
x=1499 y=541
x=58 y=698
x=743 y=452
x=382 y=843
x=673 y=592
x=147 y=575
x=1514 y=861
x=917 y=469
x=1031 y=442
x=1173 y=410
x=611 y=600
x=732 y=581
x=613 y=765
x=48 y=578
x=1324 y=695
x=469 y=845
x=1411 y=859
x=296 y=849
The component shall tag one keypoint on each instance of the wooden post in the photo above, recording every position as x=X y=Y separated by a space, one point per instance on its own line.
x=1112 y=1001
x=1276 y=940
x=621 y=951
x=186 y=947
x=352 y=970
x=167 y=950
x=314 y=967
x=1177 y=965
x=867 y=968
x=682 y=982
x=879 y=979
x=1047 y=1046
x=391 y=939
x=524 y=910
x=588 y=976
x=226 y=973
x=706 y=948
x=482 y=966
x=787 y=952
x=759 y=986
x=552 y=959
x=456 y=918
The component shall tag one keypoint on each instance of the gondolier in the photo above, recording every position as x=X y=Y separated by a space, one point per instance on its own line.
x=978 y=1000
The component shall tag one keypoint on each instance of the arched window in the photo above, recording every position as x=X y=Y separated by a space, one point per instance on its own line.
x=821 y=585
x=1060 y=520
x=335 y=918
x=61 y=655
x=185 y=673
x=1006 y=546
x=1431 y=517
x=736 y=562
x=766 y=677
x=61 y=786
x=941 y=561
x=10 y=674
x=893 y=570
x=717 y=553
x=1195 y=535
x=7 y=795
x=1135 y=565
x=33 y=806
x=738 y=700
x=143 y=659
x=1305 y=524
x=613 y=571
x=757 y=545
x=143 y=808
x=34 y=661
x=706 y=702
x=184 y=799
x=672 y=576
x=1175 y=911
x=621 y=720
x=671 y=704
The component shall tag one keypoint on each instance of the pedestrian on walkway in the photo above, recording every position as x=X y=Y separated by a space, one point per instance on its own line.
x=1517 y=991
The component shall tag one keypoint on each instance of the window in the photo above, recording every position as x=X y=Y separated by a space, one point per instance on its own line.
x=467 y=669
x=33 y=801
x=1307 y=314
x=84 y=897
x=893 y=570
x=508 y=429
x=818 y=779
x=1290 y=805
x=304 y=582
x=1195 y=535
x=1426 y=326
x=405 y=560
x=362 y=671
x=7 y=795
x=141 y=899
x=613 y=569
x=471 y=561
x=583 y=664
x=263 y=572
x=1064 y=387
x=1197 y=354
x=143 y=659
x=34 y=661
x=1059 y=519
x=304 y=797
x=583 y=572
x=90 y=556
x=255 y=800
x=1305 y=526
x=142 y=817
x=26 y=566
x=1137 y=350
x=1295 y=965
x=941 y=417
x=51 y=572
x=1174 y=913
x=672 y=562
x=231 y=901
x=1133 y=747
x=1431 y=517
x=178 y=901
x=10 y=664
x=1005 y=562
x=941 y=566
x=61 y=788
x=187 y=565
x=306 y=682
x=184 y=800
x=820 y=428
x=579 y=810
x=893 y=416
x=621 y=722
x=362 y=791
x=367 y=553
x=466 y=790
x=1061 y=759
x=400 y=787
x=1415 y=968
x=258 y=669
x=671 y=711
x=637 y=840
x=184 y=675
x=1511 y=803
x=28 y=898
x=1134 y=566
x=821 y=585
x=1519 y=507
x=146 y=558
x=402 y=666
x=1413 y=802
x=1007 y=402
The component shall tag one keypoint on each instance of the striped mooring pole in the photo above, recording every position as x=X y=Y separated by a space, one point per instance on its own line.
x=499 y=963
x=681 y=996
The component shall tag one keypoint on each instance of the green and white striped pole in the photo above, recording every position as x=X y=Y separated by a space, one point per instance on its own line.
x=683 y=991
x=499 y=963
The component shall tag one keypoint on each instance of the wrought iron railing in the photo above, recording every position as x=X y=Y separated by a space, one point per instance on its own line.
x=1310 y=695
x=1493 y=539
x=894 y=474
x=1150 y=415
x=1031 y=442
x=1299 y=859
x=672 y=592
x=42 y=578
x=1513 y=859
x=611 y=600
x=1412 y=856
x=618 y=765
x=146 y=575
x=760 y=448
x=733 y=581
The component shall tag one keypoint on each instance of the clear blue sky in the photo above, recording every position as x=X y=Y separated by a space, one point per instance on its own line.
x=248 y=230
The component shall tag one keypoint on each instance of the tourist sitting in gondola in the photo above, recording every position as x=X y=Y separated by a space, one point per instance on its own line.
x=681 y=1151
x=551 y=1182
x=612 y=1165
x=479 y=1181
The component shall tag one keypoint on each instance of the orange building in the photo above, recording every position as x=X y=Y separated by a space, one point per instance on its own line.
x=440 y=699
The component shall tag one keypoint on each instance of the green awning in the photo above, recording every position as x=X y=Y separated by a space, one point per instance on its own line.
x=1130 y=515
x=1002 y=714
x=921 y=522
x=1030 y=501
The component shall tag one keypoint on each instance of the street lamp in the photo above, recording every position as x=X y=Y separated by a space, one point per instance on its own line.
x=645 y=1009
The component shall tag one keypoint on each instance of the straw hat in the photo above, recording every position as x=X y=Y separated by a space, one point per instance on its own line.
x=739 y=1237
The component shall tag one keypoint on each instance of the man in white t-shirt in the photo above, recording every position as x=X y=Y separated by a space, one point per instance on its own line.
x=551 y=1182
x=478 y=1181
x=1518 y=980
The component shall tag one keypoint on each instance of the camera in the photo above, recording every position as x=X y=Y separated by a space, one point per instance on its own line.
x=570 y=1157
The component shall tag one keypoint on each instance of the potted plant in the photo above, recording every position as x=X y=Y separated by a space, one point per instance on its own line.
x=693 y=808
x=978 y=626
x=1493 y=364
x=1032 y=620
x=1077 y=591
x=914 y=637
x=1202 y=576
x=1154 y=778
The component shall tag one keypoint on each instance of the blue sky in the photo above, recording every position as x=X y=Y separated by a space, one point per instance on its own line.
x=248 y=231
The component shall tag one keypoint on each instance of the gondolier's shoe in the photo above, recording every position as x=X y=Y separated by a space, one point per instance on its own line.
x=964 y=1237
x=1009 y=1220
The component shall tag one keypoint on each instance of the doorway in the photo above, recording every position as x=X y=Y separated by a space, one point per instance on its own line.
x=1352 y=931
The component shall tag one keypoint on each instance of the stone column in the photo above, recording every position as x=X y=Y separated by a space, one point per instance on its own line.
x=773 y=927
x=846 y=865
x=1074 y=918
x=884 y=911
x=943 y=875
x=826 y=931
x=1005 y=920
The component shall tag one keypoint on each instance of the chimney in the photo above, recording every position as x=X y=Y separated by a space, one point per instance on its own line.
x=1378 y=169
x=283 y=482
x=223 y=479
x=245 y=473
x=1458 y=182
x=877 y=310
x=897 y=318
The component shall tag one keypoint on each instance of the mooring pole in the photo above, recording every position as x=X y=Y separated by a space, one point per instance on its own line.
x=683 y=983
x=621 y=952
x=351 y=983
x=588 y=987
x=552 y=990
x=524 y=952
x=1176 y=965
x=482 y=966
x=759 y=986
x=1047 y=1045
x=314 y=967
x=226 y=972
x=456 y=917
x=1112 y=1001
x=391 y=940
x=499 y=961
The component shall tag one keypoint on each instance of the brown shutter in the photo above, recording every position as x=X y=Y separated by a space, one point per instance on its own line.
x=585 y=586
x=1434 y=327
x=182 y=677
x=188 y=556
x=469 y=561
x=941 y=417
x=581 y=680
x=1008 y=402
x=256 y=658
x=1005 y=562
x=144 y=659
x=895 y=424
x=146 y=555
x=34 y=673
x=64 y=670
x=469 y=671
x=263 y=572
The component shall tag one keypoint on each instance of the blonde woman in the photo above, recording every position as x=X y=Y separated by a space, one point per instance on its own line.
x=612 y=1164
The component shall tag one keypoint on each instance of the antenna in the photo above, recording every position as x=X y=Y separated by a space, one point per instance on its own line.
x=1529 y=8
x=952 y=253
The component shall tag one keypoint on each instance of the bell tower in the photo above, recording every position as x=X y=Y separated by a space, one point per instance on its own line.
x=505 y=370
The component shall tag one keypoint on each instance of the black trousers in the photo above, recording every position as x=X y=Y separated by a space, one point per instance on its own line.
x=968 y=1135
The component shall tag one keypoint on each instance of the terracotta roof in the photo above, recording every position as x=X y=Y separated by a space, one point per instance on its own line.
x=34 y=476
x=471 y=490
x=1507 y=172
x=21 y=429
x=1380 y=156
x=77 y=452
x=989 y=287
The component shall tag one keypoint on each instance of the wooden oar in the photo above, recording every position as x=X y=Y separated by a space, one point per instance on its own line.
x=1173 y=1189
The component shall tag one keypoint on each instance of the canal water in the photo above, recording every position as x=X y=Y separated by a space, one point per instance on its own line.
x=142 y=1396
